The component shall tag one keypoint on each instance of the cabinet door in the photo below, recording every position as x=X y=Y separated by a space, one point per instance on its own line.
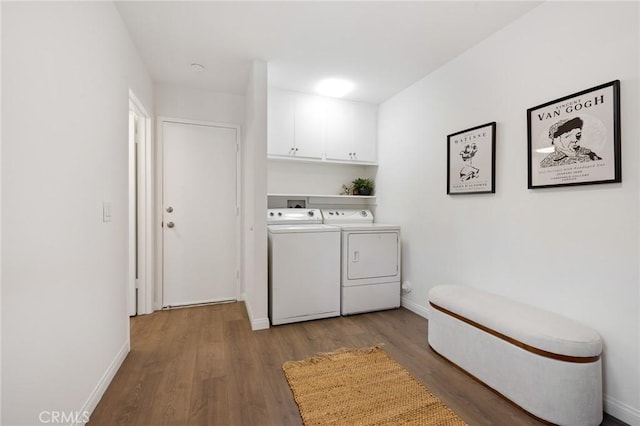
x=339 y=143
x=309 y=124
x=365 y=130
x=280 y=122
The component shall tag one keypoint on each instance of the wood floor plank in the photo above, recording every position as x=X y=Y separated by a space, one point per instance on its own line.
x=205 y=366
x=209 y=396
x=273 y=354
x=136 y=380
x=173 y=395
x=247 y=403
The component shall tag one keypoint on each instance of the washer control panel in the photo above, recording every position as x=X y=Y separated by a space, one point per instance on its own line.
x=291 y=215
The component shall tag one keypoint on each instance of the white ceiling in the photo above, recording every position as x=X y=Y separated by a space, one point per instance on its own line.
x=382 y=46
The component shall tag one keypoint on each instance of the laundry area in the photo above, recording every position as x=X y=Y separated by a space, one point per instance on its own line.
x=330 y=262
x=327 y=255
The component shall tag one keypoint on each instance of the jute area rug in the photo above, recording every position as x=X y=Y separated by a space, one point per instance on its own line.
x=362 y=387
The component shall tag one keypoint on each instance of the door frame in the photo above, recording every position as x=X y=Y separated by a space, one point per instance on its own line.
x=158 y=300
x=144 y=208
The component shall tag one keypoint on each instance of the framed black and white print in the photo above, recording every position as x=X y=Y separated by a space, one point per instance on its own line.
x=471 y=156
x=575 y=140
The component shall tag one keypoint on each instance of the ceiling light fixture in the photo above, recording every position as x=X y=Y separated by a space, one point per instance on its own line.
x=197 y=67
x=334 y=87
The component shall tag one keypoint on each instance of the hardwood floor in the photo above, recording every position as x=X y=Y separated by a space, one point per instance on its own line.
x=204 y=366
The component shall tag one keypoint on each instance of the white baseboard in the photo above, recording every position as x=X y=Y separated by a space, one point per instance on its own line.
x=415 y=308
x=104 y=382
x=621 y=411
x=256 y=323
x=260 y=324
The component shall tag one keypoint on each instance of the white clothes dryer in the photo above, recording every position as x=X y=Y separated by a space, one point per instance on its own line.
x=371 y=259
x=304 y=266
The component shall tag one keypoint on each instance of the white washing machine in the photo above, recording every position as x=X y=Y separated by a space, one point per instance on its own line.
x=304 y=266
x=370 y=266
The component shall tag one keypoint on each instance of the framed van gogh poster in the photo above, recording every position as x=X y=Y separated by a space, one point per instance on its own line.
x=575 y=140
x=471 y=156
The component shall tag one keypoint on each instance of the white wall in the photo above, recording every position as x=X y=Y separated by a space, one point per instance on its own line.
x=571 y=250
x=66 y=73
x=198 y=104
x=254 y=198
x=0 y=221
x=291 y=177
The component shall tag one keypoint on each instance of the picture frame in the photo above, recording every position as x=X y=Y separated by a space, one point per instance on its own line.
x=471 y=156
x=575 y=140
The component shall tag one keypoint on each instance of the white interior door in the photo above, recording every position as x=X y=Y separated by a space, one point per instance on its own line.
x=200 y=233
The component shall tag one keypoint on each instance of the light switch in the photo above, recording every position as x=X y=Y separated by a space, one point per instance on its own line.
x=106 y=211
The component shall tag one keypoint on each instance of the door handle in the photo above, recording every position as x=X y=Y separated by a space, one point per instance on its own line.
x=170 y=225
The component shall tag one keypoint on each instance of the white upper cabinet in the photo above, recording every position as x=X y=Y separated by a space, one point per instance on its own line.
x=339 y=140
x=310 y=118
x=351 y=131
x=365 y=132
x=280 y=123
x=315 y=127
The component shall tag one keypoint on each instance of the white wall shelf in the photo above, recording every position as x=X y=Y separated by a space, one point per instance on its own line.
x=322 y=200
x=361 y=197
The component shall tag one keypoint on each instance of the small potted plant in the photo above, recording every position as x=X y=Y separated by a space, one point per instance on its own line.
x=362 y=186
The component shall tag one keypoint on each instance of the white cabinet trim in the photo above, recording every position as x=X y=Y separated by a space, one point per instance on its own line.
x=318 y=160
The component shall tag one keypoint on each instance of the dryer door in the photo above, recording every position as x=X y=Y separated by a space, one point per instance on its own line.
x=372 y=255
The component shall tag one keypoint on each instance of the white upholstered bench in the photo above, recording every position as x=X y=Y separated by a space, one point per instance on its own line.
x=547 y=364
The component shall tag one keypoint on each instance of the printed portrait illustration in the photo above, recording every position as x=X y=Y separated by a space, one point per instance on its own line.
x=468 y=171
x=567 y=142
